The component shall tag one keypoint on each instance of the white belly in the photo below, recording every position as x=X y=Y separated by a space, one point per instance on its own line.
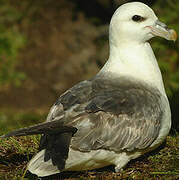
x=79 y=161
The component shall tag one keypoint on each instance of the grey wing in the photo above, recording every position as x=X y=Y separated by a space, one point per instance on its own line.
x=119 y=120
x=114 y=118
x=107 y=117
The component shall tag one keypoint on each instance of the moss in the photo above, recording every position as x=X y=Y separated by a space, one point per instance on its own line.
x=162 y=163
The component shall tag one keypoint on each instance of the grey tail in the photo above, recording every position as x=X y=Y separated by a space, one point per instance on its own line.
x=52 y=127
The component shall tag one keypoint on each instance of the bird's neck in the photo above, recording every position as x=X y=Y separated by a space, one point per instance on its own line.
x=136 y=61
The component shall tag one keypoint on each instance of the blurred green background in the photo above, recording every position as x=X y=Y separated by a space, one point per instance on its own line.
x=48 y=46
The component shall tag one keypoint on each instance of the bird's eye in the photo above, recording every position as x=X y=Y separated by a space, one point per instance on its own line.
x=137 y=18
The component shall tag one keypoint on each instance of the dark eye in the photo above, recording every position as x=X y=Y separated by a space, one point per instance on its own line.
x=137 y=18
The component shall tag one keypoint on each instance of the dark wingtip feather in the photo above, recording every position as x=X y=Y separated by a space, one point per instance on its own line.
x=52 y=127
x=14 y=133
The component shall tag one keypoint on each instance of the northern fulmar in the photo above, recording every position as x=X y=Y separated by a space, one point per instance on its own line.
x=119 y=114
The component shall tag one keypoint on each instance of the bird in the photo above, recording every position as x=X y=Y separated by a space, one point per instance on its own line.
x=117 y=115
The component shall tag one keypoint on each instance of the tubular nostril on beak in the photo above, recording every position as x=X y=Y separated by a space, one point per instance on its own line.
x=161 y=24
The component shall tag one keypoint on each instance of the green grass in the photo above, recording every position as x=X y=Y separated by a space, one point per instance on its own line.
x=163 y=163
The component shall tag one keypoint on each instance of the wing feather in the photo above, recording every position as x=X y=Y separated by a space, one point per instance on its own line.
x=107 y=116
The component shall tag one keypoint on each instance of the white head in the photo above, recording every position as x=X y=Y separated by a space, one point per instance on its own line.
x=130 y=56
x=137 y=22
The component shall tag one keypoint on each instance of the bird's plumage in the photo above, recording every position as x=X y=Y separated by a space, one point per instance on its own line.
x=110 y=115
x=116 y=116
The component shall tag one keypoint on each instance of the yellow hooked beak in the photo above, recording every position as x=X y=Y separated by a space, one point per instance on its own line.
x=161 y=29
